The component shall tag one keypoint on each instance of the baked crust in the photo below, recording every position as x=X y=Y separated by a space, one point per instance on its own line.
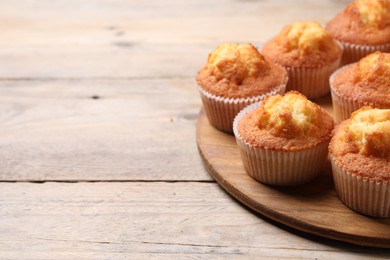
x=361 y=144
x=288 y=123
x=364 y=22
x=367 y=81
x=302 y=45
x=239 y=71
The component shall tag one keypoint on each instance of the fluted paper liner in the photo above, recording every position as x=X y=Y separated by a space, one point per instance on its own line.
x=354 y=52
x=280 y=168
x=221 y=111
x=312 y=82
x=343 y=106
x=363 y=195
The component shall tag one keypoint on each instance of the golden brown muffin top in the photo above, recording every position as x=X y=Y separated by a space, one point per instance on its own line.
x=361 y=144
x=287 y=123
x=239 y=71
x=303 y=44
x=365 y=22
x=366 y=81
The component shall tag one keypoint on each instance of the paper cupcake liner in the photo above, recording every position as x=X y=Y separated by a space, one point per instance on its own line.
x=280 y=168
x=354 y=52
x=221 y=111
x=343 y=106
x=311 y=82
x=365 y=196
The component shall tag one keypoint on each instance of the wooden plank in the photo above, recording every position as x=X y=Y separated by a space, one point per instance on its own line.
x=114 y=61
x=98 y=22
x=133 y=39
x=145 y=220
x=136 y=130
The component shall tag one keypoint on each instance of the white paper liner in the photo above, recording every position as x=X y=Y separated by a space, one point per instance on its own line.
x=365 y=196
x=311 y=82
x=280 y=168
x=221 y=111
x=343 y=106
x=354 y=52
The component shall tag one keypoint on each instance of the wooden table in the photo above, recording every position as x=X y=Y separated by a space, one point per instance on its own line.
x=98 y=108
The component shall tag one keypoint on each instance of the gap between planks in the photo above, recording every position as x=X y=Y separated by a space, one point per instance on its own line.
x=110 y=181
x=94 y=78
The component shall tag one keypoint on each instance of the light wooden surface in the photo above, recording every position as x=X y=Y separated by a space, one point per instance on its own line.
x=119 y=176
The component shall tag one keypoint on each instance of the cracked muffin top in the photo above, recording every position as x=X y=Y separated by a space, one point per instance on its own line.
x=287 y=123
x=305 y=44
x=364 y=22
x=366 y=81
x=239 y=71
x=361 y=144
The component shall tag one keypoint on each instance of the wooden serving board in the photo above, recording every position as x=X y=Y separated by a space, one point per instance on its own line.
x=313 y=208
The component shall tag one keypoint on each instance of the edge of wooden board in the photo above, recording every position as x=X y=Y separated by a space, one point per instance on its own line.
x=268 y=212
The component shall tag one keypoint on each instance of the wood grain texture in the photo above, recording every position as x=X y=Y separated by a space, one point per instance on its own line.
x=140 y=58
x=146 y=220
x=55 y=130
x=111 y=39
x=313 y=207
x=101 y=22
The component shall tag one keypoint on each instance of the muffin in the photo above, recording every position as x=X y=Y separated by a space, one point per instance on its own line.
x=360 y=157
x=366 y=82
x=283 y=140
x=234 y=77
x=362 y=28
x=310 y=55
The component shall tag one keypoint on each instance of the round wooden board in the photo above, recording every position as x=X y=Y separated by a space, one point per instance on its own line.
x=313 y=208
